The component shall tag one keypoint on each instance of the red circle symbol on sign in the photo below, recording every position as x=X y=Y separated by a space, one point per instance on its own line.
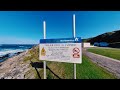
x=76 y=55
x=76 y=52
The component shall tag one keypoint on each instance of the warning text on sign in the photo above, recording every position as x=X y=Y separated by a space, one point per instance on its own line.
x=61 y=50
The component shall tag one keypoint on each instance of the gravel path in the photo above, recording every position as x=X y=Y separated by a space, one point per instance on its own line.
x=112 y=65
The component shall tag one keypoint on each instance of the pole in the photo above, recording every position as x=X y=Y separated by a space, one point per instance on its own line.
x=44 y=29
x=74 y=34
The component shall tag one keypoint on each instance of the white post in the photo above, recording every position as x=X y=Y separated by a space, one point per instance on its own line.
x=74 y=37
x=44 y=29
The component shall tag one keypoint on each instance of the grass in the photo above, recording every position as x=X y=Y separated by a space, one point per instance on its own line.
x=109 y=52
x=89 y=70
x=86 y=70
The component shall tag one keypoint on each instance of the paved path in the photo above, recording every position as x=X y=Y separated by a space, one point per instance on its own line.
x=110 y=64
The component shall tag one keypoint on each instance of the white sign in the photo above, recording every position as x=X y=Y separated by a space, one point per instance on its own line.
x=61 y=50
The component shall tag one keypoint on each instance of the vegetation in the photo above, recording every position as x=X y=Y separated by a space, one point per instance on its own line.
x=89 y=70
x=109 y=52
x=86 y=70
x=57 y=70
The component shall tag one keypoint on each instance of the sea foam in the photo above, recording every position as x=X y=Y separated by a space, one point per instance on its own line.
x=9 y=51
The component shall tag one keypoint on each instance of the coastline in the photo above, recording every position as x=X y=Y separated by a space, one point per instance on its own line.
x=15 y=67
x=7 y=56
x=9 y=50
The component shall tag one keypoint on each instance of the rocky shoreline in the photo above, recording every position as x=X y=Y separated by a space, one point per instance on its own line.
x=3 y=58
x=15 y=67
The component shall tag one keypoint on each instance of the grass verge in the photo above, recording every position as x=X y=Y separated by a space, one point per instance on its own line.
x=109 y=52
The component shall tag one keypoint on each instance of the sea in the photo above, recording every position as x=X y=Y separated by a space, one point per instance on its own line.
x=10 y=50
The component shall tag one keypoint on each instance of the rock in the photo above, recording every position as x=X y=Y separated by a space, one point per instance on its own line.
x=5 y=56
x=18 y=53
x=2 y=78
x=20 y=76
x=9 y=77
x=2 y=75
x=15 y=67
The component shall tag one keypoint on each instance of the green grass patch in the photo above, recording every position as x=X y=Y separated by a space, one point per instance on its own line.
x=109 y=52
x=32 y=55
x=90 y=70
x=86 y=70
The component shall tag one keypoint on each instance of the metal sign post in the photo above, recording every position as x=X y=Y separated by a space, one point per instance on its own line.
x=44 y=29
x=49 y=48
x=74 y=37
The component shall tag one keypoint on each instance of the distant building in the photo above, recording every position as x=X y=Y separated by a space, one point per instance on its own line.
x=101 y=44
x=96 y=44
x=86 y=44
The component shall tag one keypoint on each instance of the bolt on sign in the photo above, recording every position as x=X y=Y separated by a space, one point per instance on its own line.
x=61 y=50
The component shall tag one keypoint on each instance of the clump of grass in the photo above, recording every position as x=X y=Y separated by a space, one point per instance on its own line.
x=30 y=73
x=27 y=58
x=32 y=54
x=49 y=75
x=57 y=69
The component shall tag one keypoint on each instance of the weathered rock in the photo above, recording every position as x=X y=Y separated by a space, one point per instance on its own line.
x=5 y=56
x=9 y=77
x=14 y=68
x=2 y=75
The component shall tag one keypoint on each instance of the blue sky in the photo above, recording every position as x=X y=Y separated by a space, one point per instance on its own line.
x=26 y=27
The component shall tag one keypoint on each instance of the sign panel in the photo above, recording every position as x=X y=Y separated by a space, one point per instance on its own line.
x=61 y=50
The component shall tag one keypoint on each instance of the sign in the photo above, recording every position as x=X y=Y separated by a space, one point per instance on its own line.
x=61 y=50
x=76 y=52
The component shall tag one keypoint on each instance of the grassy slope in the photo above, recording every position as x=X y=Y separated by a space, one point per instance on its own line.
x=86 y=70
x=112 y=53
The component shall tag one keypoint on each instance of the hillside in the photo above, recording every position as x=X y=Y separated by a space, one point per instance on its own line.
x=110 y=37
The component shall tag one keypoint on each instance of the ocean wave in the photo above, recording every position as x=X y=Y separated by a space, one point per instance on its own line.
x=21 y=46
x=9 y=51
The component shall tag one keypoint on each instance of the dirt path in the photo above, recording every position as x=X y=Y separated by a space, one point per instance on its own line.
x=110 y=64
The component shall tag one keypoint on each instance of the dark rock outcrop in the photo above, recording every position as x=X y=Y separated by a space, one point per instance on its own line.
x=5 y=56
